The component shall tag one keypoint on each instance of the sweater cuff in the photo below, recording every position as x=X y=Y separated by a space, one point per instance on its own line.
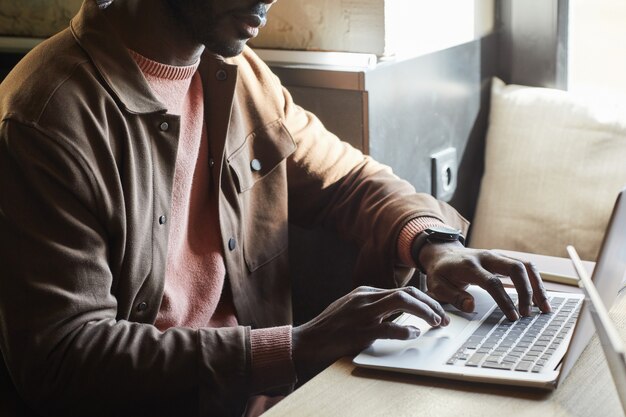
x=272 y=364
x=408 y=234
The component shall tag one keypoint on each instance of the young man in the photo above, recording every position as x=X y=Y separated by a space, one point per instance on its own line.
x=149 y=166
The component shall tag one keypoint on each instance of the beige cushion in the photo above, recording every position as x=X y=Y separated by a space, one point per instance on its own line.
x=554 y=164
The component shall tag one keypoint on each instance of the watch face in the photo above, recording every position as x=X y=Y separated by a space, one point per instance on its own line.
x=446 y=230
x=443 y=233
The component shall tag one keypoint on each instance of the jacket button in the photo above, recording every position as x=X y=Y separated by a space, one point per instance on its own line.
x=143 y=306
x=255 y=164
x=221 y=75
x=162 y=219
x=164 y=126
x=211 y=162
x=232 y=243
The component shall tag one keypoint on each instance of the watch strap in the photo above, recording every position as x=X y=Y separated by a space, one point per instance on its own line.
x=408 y=234
x=429 y=236
x=419 y=242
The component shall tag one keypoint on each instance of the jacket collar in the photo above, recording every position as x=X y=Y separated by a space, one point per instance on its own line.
x=119 y=71
x=111 y=59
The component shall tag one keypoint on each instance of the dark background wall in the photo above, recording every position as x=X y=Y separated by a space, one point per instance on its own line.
x=7 y=62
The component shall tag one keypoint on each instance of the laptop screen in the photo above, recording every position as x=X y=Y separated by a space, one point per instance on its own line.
x=610 y=339
x=607 y=277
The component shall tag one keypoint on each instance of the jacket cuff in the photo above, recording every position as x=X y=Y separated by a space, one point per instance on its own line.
x=272 y=364
x=408 y=234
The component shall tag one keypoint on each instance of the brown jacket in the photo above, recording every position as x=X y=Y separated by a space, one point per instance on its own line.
x=87 y=159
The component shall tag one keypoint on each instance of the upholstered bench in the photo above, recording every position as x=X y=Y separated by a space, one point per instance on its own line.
x=554 y=164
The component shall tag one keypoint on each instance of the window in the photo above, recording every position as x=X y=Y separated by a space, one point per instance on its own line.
x=597 y=47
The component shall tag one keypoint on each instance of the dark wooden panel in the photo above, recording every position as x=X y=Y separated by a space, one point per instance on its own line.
x=343 y=111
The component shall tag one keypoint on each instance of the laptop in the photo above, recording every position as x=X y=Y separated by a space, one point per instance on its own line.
x=612 y=343
x=537 y=351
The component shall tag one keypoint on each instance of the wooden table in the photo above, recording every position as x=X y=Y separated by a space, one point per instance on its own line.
x=344 y=390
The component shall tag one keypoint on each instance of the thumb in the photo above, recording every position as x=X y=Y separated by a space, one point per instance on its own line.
x=391 y=330
x=445 y=292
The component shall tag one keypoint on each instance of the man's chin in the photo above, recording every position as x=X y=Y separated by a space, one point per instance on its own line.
x=227 y=50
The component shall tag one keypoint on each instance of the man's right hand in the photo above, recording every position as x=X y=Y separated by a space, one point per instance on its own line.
x=354 y=321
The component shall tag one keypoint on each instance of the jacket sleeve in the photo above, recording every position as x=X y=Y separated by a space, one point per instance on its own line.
x=66 y=350
x=333 y=185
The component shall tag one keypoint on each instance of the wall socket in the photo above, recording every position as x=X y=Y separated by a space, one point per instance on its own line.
x=444 y=172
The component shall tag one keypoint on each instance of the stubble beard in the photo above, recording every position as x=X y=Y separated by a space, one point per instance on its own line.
x=198 y=19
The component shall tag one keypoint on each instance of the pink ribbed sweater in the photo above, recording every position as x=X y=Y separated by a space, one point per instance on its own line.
x=195 y=295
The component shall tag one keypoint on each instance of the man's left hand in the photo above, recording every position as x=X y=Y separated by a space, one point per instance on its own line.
x=450 y=268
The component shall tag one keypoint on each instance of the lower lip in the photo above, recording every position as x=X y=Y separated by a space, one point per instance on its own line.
x=250 y=31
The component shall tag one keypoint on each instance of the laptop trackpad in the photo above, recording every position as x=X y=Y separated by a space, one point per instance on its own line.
x=434 y=344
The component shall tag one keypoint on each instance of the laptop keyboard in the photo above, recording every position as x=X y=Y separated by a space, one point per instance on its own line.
x=524 y=345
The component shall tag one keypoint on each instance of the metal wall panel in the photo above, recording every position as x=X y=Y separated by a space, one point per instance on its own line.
x=533 y=50
x=420 y=106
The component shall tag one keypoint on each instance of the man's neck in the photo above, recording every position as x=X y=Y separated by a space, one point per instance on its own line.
x=148 y=28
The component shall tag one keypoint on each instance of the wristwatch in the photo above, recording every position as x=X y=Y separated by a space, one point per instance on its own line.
x=438 y=234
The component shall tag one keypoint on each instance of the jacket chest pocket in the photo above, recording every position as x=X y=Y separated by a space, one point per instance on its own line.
x=260 y=170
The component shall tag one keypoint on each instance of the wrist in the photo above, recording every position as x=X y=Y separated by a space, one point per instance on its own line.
x=430 y=237
x=407 y=236
x=301 y=362
x=433 y=251
x=271 y=358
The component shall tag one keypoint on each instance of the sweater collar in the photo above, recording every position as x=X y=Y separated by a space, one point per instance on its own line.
x=163 y=71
